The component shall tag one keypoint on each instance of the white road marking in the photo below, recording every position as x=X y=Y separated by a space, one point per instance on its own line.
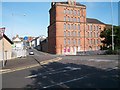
x=54 y=72
x=76 y=79
x=99 y=60
x=65 y=82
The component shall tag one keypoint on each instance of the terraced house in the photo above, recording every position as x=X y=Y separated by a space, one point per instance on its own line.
x=70 y=31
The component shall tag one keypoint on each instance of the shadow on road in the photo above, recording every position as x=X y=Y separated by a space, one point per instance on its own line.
x=59 y=75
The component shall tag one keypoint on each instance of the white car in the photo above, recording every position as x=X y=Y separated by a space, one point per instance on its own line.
x=31 y=53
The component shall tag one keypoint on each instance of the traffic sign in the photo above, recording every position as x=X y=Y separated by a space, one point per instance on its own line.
x=25 y=38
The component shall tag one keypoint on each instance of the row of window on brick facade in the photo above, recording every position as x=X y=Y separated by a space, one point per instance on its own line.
x=74 y=27
x=75 y=41
x=93 y=27
x=77 y=48
x=73 y=12
x=74 y=33
x=72 y=19
x=71 y=26
x=71 y=33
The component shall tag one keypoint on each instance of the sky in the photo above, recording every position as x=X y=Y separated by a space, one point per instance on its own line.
x=32 y=18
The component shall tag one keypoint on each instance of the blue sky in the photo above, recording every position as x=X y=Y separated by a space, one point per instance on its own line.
x=32 y=18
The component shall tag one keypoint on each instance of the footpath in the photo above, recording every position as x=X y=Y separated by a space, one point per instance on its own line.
x=25 y=63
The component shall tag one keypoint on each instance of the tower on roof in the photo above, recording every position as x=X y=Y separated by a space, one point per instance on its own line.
x=72 y=2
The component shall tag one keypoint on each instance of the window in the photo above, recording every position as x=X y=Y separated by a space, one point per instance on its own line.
x=89 y=41
x=71 y=26
x=64 y=41
x=88 y=34
x=68 y=41
x=94 y=34
x=72 y=33
x=90 y=27
x=75 y=33
x=74 y=41
x=64 y=26
x=75 y=27
x=78 y=12
x=64 y=33
x=71 y=19
x=68 y=26
x=64 y=11
x=97 y=28
x=64 y=18
x=78 y=19
x=68 y=33
x=68 y=11
x=68 y=18
x=71 y=11
x=91 y=34
x=78 y=41
x=96 y=41
x=75 y=19
x=74 y=12
x=78 y=26
x=78 y=33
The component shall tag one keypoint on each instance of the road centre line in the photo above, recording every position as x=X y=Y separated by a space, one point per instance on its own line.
x=54 y=72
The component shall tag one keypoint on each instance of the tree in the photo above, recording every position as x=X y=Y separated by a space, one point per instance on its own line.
x=107 y=35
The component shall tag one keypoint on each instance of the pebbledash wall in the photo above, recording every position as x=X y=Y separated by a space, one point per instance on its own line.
x=70 y=31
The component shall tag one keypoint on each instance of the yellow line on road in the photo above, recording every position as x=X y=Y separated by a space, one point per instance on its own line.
x=31 y=66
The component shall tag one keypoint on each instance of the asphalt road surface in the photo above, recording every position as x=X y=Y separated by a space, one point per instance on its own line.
x=71 y=72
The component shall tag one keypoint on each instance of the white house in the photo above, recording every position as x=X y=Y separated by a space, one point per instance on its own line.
x=18 y=43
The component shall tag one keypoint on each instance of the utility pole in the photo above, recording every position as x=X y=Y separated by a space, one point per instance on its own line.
x=2 y=30
x=112 y=26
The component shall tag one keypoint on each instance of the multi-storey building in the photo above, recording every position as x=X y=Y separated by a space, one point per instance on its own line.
x=70 y=31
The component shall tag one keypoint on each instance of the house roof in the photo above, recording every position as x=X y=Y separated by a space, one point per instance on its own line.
x=17 y=39
x=96 y=21
x=77 y=3
x=7 y=38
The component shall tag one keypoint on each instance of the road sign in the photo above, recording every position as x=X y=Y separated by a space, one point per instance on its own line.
x=25 y=38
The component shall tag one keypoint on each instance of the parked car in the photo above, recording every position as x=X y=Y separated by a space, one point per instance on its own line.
x=31 y=53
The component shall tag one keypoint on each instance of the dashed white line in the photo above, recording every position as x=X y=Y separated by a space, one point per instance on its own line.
x=76 y=79
x=64 y=82
x=54 y=72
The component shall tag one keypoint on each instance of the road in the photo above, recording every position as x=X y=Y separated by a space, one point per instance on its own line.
x=70 y=72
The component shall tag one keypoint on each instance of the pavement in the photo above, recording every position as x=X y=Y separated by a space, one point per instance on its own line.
x=30 y=61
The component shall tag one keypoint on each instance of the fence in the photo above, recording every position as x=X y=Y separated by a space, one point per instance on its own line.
x=97 y=52
x=19 y=53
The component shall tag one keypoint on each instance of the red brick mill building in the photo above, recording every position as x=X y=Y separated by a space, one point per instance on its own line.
x=70 y=31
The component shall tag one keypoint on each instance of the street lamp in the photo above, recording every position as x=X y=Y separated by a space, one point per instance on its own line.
x=112 y=26
x=2 y=30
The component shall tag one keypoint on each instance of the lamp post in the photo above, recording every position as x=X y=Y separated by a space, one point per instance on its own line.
x=2 y=30
x=112 y=26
